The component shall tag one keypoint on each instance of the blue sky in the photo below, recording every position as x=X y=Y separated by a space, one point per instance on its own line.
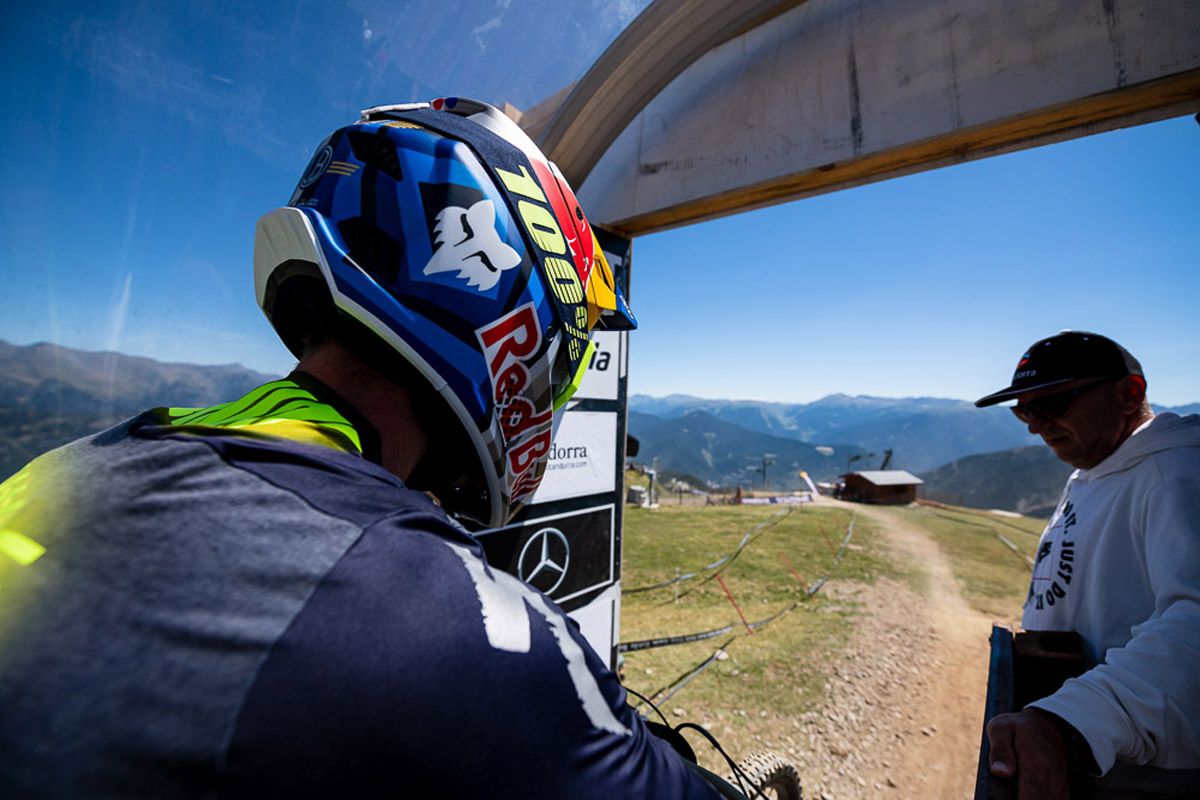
x=935 y=283
x=146 y=140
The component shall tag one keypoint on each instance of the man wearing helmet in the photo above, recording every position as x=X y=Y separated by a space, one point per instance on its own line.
x=260 y=598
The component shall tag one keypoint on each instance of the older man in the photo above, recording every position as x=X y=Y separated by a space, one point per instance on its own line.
x=1118 y=563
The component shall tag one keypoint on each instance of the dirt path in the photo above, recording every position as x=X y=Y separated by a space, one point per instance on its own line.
x=906 y=701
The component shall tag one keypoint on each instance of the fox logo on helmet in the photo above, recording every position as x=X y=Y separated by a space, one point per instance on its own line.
x=466 y=240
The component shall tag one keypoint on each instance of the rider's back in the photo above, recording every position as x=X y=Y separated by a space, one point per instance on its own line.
x=246 y=616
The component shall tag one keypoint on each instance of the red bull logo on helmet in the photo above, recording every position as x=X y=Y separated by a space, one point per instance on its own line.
x=526 y=428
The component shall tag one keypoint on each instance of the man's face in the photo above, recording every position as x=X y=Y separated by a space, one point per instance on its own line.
x=1091 y=426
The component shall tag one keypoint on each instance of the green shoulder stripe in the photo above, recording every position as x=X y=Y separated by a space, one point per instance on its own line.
x=280 y=409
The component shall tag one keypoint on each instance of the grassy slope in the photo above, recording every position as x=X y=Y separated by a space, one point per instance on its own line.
x=991 y=577
x=781 y=671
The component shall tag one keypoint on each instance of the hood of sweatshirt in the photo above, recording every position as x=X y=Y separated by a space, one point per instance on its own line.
x=1165 y=431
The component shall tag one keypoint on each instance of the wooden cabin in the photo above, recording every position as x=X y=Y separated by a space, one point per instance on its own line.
x=885 y=487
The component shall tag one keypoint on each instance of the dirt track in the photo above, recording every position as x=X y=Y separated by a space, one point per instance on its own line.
x=906 y=701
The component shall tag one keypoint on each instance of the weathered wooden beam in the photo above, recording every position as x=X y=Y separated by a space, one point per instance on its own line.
x=651 y=52
x=837 y=93
x=1149 y=102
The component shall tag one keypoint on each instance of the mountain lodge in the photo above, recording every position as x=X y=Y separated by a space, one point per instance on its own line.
x=884 y=487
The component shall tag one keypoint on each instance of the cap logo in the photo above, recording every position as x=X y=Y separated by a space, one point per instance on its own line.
x=1024 y=373
x=466 y=242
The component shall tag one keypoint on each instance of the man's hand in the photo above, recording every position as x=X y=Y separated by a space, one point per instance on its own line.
x=1029 y=747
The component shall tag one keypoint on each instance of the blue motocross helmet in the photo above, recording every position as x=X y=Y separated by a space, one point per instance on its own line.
x=443 y=232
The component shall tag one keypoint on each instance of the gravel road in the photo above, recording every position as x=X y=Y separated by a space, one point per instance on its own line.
x=905 y=703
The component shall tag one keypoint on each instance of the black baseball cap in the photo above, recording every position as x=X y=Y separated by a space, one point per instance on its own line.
x=1068 y=356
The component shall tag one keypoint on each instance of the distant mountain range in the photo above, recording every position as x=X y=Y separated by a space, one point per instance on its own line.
x=1027 y=480
x=701 y=448
x=50 y=395
x=922 y=432
x=1190 y=408
x=968 y=456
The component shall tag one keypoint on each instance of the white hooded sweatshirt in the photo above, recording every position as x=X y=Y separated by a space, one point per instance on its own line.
x=1119 y=563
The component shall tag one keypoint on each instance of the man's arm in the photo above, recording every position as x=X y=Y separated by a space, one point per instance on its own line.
x=1142 y=703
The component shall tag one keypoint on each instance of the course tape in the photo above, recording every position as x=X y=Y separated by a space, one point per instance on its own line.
x=666 y=641
x=665 y=693
x=1015 y=549
x=688 y=638
x=673 y=688
x=990 y=518
x=845 y=542
x=720 y=563
x=683 y=680
x=974 y=512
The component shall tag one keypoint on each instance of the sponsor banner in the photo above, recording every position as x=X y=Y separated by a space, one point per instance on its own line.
x=583 y=457
x=566 y=556
x=602 y=379
x=778 y=500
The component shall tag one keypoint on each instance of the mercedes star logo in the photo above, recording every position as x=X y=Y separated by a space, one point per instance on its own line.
x=544 y=560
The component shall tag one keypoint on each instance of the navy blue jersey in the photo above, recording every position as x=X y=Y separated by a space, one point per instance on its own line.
x=234 y=602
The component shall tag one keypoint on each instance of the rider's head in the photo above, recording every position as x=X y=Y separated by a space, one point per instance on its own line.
x=436 y=242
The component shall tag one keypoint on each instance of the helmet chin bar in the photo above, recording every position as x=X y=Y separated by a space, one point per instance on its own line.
x=446 y=470
x=568 y=390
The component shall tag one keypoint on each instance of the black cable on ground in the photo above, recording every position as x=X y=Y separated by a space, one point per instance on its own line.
x=646 y=701
x=686 y=677
x=688 y=638
x=738 y=773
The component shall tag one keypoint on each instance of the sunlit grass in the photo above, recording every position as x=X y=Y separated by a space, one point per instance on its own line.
x=751 y=698
x=991 y=577
x=779 y=671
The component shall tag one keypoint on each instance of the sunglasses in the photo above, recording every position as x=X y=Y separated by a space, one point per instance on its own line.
x=1053 y=405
